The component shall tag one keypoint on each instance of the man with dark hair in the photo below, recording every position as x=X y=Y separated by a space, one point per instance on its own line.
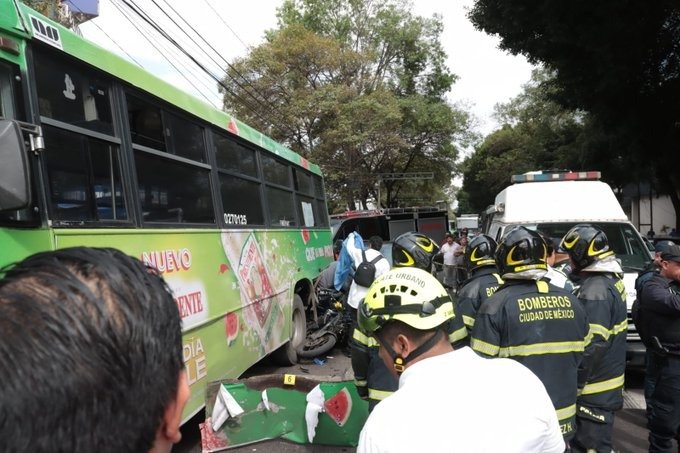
x=375 y=242
x=90 y=355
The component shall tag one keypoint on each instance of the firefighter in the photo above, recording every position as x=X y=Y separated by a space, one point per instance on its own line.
x=603 y=296
x=483 y=278
x=371 y=377
x=535 y=323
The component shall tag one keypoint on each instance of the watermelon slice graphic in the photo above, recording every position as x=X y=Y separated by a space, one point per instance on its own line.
x=231 y=327
x=305 y=236
x=232 y=127
x=339 y=407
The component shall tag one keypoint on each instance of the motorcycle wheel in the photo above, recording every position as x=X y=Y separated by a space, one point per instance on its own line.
x=315 y=347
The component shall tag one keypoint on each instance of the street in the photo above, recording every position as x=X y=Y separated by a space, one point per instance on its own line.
x=630 y=433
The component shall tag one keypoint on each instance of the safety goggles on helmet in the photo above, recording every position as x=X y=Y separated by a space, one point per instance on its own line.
x=409 y=295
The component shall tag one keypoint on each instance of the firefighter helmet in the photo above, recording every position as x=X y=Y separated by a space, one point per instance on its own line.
x=520 y=250
x=410 y=295
x=585 y=244
x=480 y=252
x=414 y=250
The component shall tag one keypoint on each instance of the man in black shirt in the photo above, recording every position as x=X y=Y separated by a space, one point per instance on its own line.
x=659 y=319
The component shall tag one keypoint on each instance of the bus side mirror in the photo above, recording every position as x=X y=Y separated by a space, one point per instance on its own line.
x=14 y=184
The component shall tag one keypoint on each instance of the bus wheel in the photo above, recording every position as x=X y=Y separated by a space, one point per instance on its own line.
x=287 y=354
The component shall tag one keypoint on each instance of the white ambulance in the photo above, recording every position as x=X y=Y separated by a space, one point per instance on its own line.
x=553 y=202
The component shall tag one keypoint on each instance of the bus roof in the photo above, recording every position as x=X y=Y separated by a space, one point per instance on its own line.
x=559 y=201
x=23 y=26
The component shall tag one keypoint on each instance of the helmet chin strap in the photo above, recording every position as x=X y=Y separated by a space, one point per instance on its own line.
x=400 y=362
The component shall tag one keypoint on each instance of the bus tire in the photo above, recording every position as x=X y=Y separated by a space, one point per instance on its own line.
x=287 y=354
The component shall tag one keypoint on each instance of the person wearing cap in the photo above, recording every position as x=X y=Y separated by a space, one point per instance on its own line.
x=534 y=322
x=603 y=296
x=659 y=327
x=483 y=279
x=448 y=400
x=646 y=275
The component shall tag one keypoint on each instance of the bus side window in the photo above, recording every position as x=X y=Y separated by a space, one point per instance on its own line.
x=239 y=182
x=71 y=93
x=278 y=193
x=164 y=199
x=320 y=208
x=84 y=178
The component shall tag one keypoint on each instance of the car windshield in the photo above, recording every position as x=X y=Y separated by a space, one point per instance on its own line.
x=623 y=238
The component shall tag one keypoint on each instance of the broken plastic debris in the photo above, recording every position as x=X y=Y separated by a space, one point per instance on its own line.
x=225 y=406
x=265 y=400
x=315 y=400
x=319 y=361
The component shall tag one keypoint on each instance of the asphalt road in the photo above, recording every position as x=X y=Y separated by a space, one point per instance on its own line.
x=630 y=433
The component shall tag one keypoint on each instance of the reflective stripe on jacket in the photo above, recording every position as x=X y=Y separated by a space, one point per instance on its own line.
x=544 y=328
x=604 y=298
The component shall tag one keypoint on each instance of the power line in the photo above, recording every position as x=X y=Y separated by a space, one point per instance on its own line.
x=110 y=38
x=225 y=24
x=283 y=89
x=160 y=51
x=262 y=100
x=171 y=53
x=163 y=33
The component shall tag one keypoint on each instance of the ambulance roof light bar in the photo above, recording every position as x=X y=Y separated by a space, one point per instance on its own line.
x=540 y=176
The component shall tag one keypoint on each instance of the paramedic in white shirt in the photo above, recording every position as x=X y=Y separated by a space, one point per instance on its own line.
x=357 y=292
x=448 y=401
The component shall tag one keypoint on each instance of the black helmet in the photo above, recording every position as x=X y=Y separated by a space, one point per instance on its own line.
x=585 y=244
x=479 y=252
x=414 y=250
x=520 y=250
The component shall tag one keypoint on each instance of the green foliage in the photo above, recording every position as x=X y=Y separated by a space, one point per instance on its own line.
x=44 y=7
x=619 y=61
x=358 y=87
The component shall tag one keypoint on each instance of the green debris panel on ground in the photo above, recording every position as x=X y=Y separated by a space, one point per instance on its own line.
x=339 y=423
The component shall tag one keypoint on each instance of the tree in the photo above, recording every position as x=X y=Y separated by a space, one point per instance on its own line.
x=617 y=61
x=357 y=87
x=537 y=134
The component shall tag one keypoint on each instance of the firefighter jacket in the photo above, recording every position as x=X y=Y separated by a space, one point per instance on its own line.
x=659 y=314
x=475 y=290
x=371 y=376
x=544 y=328
x=603 y=296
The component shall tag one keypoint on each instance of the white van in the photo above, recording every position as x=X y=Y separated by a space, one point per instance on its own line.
x=553 y=203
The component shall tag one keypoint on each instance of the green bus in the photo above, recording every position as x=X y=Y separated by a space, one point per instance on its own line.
x=94 y=151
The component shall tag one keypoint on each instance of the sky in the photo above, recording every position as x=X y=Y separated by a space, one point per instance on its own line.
x=487 y=75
